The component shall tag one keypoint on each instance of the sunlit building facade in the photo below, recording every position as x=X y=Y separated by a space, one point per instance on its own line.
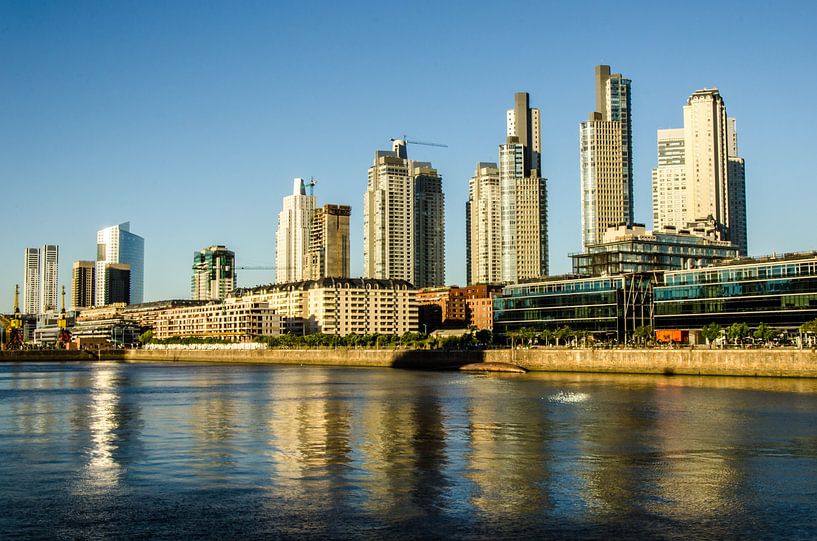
x=606 y=158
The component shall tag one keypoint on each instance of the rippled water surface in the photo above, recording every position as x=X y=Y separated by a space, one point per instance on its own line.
x=167 y=451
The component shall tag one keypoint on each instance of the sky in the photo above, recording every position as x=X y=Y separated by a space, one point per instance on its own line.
x=190 y=119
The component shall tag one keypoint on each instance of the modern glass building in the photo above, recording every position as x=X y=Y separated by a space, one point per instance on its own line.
x=634 y=249
x=778 y=291
x=609 y=307
x=213 y=273
x=116 y=244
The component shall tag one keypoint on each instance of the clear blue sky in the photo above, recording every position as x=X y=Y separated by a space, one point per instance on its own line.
x=190 y=119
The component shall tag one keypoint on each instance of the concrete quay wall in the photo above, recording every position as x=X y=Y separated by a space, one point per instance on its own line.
x=749 y=362
x=417 y=359
x=714 y=362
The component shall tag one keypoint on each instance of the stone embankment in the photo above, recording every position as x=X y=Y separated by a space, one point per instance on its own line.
x=706 y=362
x=714 y=362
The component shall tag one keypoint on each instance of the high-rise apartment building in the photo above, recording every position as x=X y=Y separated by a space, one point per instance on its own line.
x=429 y=226
x=82 y=284
x=116 y=244
x=483 y=231
x=403 y=220
x=699 y=172
x=669 y=187
x=736 y=191
x=292 y=235
x=49 y=278
x=328 y=254
x=40 y=279
x=31 y=281
x=606 y=158
x=523 y=196
x=213 y=273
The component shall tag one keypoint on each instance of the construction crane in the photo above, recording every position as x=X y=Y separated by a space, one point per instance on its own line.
x=13 y=327
x=405 y=139
x=310 y=186
x=64 y=338
x=256 y=268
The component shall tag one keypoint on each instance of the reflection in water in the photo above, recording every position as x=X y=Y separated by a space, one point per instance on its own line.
x=113 y=426
x=509 y=456
x=119 y=450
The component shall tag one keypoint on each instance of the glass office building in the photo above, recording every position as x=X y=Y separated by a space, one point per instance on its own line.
x=634 y=249
x=609 y=308
x=778 y=291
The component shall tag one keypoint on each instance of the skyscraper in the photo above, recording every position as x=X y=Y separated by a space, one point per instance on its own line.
x=523 y=196
x=213 y=273
x=606 y=158
x=40 y=279
x=736 y=191
x=328 y=254
x=31 y=281
x=429 y=226
x=403 y=220
x=82 y=284
x=669 y=187
x=292 y=235
x=116 y=244
x=484 y=242
x=699 y=173
x=49 y=277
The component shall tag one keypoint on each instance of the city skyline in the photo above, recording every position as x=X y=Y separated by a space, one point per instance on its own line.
x=75 y=123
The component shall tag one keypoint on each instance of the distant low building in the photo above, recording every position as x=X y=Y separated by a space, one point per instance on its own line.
x=234 y=319
x=341 y=305
x=456 y=307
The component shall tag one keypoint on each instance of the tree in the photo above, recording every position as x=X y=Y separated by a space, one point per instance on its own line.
x=711 y=333
x=546 y=336
x=484 y=337
x=764 y=332
x=737 y=332
x=563 y=334
x=809 y=327
x=146 y=337
x=643 y=334
x=527 y=335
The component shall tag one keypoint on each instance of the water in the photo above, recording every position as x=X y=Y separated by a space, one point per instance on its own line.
x=170 y=451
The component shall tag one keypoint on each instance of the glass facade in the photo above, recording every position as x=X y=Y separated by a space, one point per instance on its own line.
x=607 y=307
x=781 y=293
x=653 y=252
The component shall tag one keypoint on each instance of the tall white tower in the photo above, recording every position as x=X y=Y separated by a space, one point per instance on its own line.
x=523 y=196
x=31 y=281
x=699 y=173
x=292 y=235
x=484 y=250
x=606 y=158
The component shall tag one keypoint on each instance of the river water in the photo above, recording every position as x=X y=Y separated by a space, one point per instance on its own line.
x=111 y=450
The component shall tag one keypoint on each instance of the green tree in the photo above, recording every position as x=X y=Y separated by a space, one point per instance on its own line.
x=737 y=332
x=643 y=334
x=711 y=333
x=563 y=334
x=764 y=332
x=546 y=336
x=809 y=327
x=146 y=337
x=484 y=337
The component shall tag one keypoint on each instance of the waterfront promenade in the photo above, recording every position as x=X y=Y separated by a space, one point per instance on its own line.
x=700 y=361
